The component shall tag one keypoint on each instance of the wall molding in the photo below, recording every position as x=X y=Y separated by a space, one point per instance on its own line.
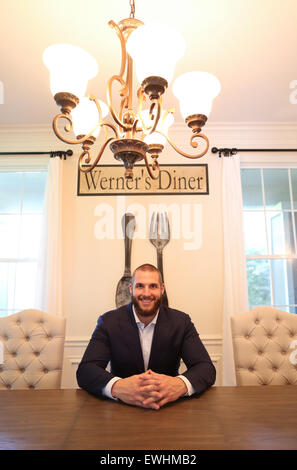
x=82 y=341
x=243 y=130
x=74 y=348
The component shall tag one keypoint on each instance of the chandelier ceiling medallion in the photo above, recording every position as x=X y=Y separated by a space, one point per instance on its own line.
x=134 y=134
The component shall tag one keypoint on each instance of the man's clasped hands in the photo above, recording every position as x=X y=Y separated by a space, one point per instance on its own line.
x=149 y=389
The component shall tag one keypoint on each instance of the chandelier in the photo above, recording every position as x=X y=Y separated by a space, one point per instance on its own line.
x=134 y=135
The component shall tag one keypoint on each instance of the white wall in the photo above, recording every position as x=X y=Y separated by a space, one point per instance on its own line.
x=92 y=267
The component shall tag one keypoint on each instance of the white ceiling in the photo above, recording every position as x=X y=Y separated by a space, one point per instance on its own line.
x=250 y=45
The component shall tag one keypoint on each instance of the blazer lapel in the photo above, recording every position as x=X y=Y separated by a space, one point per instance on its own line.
x=130 y=337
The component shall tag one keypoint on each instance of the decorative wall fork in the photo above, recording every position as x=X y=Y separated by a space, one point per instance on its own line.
x=159 y=236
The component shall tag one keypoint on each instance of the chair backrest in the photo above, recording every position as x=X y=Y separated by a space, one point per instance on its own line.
x=33 y=350
x=263 y=343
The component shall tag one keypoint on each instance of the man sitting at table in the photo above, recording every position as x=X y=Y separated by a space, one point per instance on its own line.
x=144 y=342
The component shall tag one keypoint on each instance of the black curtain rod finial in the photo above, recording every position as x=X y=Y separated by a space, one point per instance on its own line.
x=61 y=153
x=227 y=152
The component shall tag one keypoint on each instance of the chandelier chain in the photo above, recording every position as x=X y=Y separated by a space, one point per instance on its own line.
x=132 y=5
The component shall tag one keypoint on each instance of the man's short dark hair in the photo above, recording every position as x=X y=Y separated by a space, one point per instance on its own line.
x=147 y=267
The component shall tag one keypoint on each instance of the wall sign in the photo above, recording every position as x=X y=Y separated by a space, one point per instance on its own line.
x=109 y=180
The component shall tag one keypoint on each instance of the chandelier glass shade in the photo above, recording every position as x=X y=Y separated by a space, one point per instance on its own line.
x=152 y=56
x=196 y=90
x=133 y=134
x=70 y=68
x=85 y=117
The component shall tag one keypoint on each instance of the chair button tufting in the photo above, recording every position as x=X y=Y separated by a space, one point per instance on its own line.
x=260 y=352
x=274 y=368
x=257 y=321
x=251 y=369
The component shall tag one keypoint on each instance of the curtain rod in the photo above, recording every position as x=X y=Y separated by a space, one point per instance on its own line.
x=54 y=153
x=228 y=152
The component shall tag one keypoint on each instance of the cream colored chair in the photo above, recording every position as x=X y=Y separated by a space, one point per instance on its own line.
x=264 y=340
x=33 y=350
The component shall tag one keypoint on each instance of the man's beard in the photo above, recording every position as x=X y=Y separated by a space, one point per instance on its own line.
x=147 y=312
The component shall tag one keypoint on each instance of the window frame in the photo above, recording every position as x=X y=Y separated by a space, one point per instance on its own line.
x=21 y=164
x=269 y=162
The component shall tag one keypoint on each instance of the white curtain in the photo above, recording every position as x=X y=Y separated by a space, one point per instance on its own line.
x=49 y=272
x=235 y=280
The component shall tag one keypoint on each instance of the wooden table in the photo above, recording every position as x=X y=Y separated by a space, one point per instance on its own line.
x=249 y=417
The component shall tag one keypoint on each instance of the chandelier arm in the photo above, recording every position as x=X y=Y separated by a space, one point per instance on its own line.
x=151 y=128
x=110 y=104
x=87 y=153
x=113 y=25
x=123 y=104
x=103 y=124
x=67 y=129
x=93 y=98
x=154 y=177
x=141 y=97
x=112 y=126
x=157 y=118
x=106 y=132
x=193 y=144
x=135 y=129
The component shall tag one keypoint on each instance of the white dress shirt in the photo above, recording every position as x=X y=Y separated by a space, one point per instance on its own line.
x=146 y=334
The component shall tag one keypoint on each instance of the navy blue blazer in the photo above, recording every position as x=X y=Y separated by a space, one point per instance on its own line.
x=116 y=340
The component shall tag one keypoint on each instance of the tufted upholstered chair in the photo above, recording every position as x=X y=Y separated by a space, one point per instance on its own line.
x=33 y=350
x=264 y=340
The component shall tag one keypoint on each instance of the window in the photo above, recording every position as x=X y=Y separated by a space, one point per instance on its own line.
x=270 y=228
x=21 y=216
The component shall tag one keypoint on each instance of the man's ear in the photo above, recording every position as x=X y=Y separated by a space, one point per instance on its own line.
x=130 y=288
x=162 y=287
